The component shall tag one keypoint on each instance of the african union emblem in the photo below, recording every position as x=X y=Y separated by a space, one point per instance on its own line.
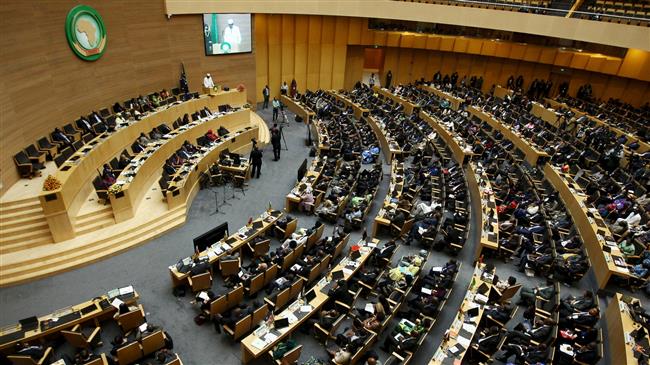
x=86 y=33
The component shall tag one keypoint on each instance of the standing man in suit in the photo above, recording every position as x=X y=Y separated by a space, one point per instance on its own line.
x=256 y=162
x=266 y=93
x=275 y=141
x=276 y=108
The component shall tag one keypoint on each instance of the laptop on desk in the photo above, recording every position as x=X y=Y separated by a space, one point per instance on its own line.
x=281 y=323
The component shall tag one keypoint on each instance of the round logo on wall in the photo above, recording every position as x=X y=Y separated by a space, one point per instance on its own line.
x=86 y=33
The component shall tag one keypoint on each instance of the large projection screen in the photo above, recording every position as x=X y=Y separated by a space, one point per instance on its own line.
x=227 y=33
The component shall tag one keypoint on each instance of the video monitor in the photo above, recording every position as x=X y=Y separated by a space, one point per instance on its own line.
x=227 y=33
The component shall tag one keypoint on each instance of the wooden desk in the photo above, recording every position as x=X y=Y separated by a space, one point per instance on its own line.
x=643 y=146
x=97 y=309
x=125 y=202
x=243 y=170
x=311 y=178
x=459 y=148
x=235 y=241
x=357 y=109
x=389 y=148
x=61 y=206
x=396 y=172
x=183 y=185
x=453 y=100
x=619 y=326
x=532 y=153
x=386 y=142
x=251 y=352
x=408 y=106
x=298 y=108
x=547 y=115
x=322 y=137
x=480 y=183
x=593 y=235
x=468 y=303
x=501 y=92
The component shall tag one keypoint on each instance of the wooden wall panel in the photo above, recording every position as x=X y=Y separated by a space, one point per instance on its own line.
x=419 y=70
x=262 y=54
x=354 y=66
x=300 y=59
x=45 y=85
x=274 y=32
x=288 y=42
x=313 y=52
x=340 y=50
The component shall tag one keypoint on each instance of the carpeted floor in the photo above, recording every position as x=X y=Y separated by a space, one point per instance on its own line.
x=146 y=267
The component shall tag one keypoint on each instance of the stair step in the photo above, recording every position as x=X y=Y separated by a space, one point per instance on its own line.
x=92 y=252
x=104 y=212
x=35 y=212
x=19 y=207
x=90 y=247
x=92 y=226
x=20 y=237
x=44 y=271
x=26 y=244
x=25 y=227
x=21 y=220
x=19 y=202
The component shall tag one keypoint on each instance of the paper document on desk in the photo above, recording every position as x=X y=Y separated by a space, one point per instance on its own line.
x=126 y=290
x=463 y=341
x=143 y=327
x=269 y=337
x=369 y=308
x=204 y=295
x=292 y=318
x=258 y=344
x=305 y=308
x=469 y=327
x=347 y=272
x=116 y=303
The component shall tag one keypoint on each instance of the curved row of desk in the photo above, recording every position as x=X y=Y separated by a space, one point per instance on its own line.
x=592 y=230
x=62 y=205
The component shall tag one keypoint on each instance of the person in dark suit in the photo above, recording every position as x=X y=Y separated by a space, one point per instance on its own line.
x=528 y=295
x=587 y=319
x=36 y=352
x=59 y=136
x=339 y=292
x=84 y=125
x=136 y=147
x=256 y=162
x=169 y=169
x=538 y=333
x=276 y=141
x=573 y=304
x=118 y=342
x=587 y=354
x=489 y=340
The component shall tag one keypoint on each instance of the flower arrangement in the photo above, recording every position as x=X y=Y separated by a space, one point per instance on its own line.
x=51 y=183
x=115 y=188
x=241 y=87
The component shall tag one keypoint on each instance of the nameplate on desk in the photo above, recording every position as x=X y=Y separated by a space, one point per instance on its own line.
x=50 y=197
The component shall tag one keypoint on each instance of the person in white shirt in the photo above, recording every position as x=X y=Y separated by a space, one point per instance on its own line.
x=232 y=36
x=207 y=82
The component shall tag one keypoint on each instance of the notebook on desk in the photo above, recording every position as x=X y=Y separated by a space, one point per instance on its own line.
x=258 y=224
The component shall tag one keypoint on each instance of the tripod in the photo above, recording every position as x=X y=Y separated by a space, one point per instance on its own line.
x=283 y=139
x=216 y=203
